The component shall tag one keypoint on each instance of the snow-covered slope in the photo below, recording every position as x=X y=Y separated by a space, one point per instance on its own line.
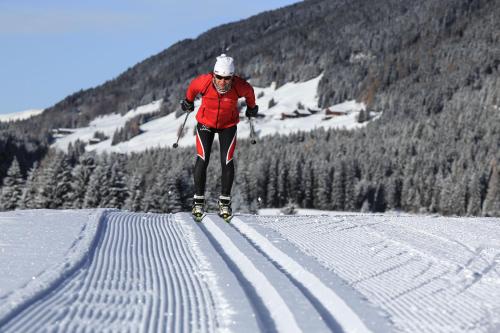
x=321 y=273
x=162 y=132
x=19 y=115
x=38 y=250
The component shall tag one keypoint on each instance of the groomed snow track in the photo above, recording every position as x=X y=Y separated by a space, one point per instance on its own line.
x=166 y=273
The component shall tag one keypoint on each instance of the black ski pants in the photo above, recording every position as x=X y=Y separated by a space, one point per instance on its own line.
x=204 y=139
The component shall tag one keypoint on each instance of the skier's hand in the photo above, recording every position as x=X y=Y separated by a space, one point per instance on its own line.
x=187 y=105
x=252 y=112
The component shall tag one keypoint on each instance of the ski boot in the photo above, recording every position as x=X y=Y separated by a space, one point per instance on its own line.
x=198 y=208
x=225 y=210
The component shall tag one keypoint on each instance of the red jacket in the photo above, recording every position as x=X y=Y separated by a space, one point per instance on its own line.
x=216 y=110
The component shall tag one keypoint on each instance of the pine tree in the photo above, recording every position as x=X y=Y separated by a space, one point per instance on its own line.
x=272 y=185
x=154 y=199
x=296 y=181
x=47 y=180
x=339 y=186
x=491 y=205
x=12 y=187
x=409 y=195
x=93 y=195
x=394 y=187
x=62 y=191
x=446 y=204
x=474 y=200
x=170 y=202
x=324 y=189
x=436 y=197
x=135 y=193
x=379 y=203
x=81 y=178
x=365 y=194
x=29 y=191
x=117 y=186
x=308 y=186
x=282 y=194
x=350 y=187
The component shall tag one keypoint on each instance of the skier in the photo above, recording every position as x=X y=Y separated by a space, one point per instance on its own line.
x=218 y=113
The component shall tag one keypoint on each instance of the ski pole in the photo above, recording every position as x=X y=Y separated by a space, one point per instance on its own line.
x=176 y=144
x=252 y=131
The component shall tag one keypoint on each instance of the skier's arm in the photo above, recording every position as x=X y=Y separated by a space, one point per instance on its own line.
x=194 y=89
x=249 y=94
x=187 y=104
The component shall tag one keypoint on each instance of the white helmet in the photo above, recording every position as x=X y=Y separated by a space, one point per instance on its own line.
x=224 y=65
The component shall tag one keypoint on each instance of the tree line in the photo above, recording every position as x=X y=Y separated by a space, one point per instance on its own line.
x=415 y=167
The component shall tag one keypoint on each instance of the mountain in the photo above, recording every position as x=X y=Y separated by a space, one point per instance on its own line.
x=20 y=115
x=429 y=68
x=387 y=53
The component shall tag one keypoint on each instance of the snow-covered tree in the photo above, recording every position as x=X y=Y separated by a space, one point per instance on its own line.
x=12 y=187
x=135 y=193
x=27 y=200
x=338 y=186
x=324 y=189
x=491 y=205
x=474 y=200
x=95 y=193
x=62 y=191
x=171 y=199
x=117 y=192
x=81 y=177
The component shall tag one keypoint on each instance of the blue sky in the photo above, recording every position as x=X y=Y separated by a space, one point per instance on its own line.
x=52 y=48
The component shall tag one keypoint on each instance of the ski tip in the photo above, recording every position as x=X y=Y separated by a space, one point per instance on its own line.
x=226 y=218
x=198 y=218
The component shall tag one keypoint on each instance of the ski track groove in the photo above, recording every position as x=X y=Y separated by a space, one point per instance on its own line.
x=429 y=280
x=337 y=315
x=319 y=296
x=268 y=304
x=141 y=278
x=205 y=301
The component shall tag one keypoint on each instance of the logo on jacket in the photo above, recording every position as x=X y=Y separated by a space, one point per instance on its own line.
x=205 y=128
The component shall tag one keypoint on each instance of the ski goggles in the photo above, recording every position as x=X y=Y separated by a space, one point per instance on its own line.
x=225 y=78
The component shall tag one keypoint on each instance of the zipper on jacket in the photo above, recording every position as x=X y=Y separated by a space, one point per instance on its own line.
x=218 y=110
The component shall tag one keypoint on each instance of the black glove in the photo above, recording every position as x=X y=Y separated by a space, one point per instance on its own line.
x=252 y=112
x=187 y=105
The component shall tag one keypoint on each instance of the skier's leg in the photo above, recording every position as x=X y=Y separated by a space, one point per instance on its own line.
x=204 y=140
x=227 y=140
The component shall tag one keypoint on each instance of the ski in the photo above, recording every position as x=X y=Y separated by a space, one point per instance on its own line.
x=198 y=217
x=226 y=217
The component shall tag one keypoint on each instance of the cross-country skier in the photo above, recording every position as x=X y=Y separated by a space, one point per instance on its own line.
x=218 y=113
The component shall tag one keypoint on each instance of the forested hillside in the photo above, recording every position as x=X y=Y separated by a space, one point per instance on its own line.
x=432 y=67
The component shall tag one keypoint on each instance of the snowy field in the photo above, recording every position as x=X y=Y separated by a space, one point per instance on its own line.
x=115 y=271
x=162 y=132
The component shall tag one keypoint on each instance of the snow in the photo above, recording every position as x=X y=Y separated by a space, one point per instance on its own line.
x=107 y=124
x=6 y=117
x=326 y=296
x=95 y=270
x=280 y=311
x=162 y=132
x=38 y=249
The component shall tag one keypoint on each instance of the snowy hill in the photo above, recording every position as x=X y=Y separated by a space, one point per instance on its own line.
x=20 y=115
x=293 y=108
x=109 y=270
